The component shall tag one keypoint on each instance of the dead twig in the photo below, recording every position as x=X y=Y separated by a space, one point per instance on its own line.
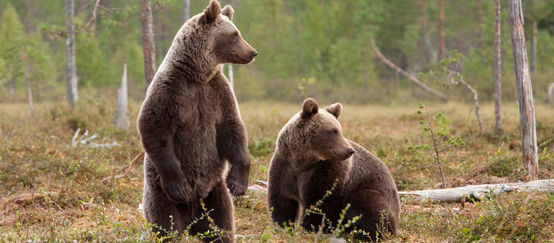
x=456 y=78
x=93 y=18
x=127 y=169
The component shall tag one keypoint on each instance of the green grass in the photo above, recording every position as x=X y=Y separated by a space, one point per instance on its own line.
x=51 y=191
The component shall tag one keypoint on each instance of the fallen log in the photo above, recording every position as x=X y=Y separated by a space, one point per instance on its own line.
x=457 y=194
x=478 y=192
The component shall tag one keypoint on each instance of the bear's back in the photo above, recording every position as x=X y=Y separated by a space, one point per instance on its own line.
x=369 y=169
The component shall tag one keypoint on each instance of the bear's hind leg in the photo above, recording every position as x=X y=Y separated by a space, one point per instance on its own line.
x=219 y=213
x=160 y=212
x=376 y=216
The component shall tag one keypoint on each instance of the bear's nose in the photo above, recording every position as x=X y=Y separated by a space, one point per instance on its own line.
x=350 y=151
x=254 y=54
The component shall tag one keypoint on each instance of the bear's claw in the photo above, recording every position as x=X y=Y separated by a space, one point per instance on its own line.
x=236 y=188
x=176 y=191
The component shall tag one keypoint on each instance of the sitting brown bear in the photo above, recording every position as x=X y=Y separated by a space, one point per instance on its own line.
x=311 y=156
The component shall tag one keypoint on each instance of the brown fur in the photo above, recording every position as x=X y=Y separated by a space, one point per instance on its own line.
x=312 y=154
x=190 y=125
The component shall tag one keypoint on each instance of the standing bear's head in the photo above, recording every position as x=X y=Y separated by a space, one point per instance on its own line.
x=315 y=134
x=209 y=39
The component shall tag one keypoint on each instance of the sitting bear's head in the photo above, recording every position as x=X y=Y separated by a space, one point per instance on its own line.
x=211 y=38
x=315 y=134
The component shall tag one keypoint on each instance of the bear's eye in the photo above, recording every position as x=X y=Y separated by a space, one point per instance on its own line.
x=334 y=131
x=235 y=34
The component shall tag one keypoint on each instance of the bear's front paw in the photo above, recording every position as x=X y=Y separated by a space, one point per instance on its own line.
x=236 y=188
x=176 y=191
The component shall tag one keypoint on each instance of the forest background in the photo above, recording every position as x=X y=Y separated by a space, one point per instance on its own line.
x=307 y=48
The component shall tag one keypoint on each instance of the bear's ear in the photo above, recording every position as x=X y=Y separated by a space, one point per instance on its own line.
x=228 y=11
x=210 y=13
x=334 y=109
x=309 y=108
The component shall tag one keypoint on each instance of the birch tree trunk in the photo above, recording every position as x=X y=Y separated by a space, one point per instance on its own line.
x=121 y=115
x=231 y=80
x=524 y=90
x=148 y=45
x=442 y=48
x=186 y=10
x=28 y=87
x=497 y=67
x=72 y=95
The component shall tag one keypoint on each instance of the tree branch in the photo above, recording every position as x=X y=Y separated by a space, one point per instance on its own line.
x=127 y=169
x=93 y=18
x=413 y=79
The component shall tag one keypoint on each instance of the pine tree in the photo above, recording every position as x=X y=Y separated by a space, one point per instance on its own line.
x=11 y=37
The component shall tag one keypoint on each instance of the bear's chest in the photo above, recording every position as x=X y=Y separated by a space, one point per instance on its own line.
x=198 y=109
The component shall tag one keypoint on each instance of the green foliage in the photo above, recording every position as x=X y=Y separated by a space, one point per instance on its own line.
x=38 y=55
x=517 y=219
x=11 y=36
x=506 y=163
x=19 y=49
x=2 y=70
x=326 y=40
x=93 y=68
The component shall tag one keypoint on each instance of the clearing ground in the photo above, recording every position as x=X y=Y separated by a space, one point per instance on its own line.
x=51 y=191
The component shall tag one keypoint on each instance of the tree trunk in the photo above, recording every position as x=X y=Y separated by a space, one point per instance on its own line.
x=121 y=115
x=72 y=95
x=497 y=67
x=550 y=91
x=429 y=52
x=28 y=87
x=524 y=90
x=186 y=10
x=11 y=86
x=413 y=79
x=231 y=76
x=479 y=20
x=148 y=45
x=442 y=48
x=534 y=46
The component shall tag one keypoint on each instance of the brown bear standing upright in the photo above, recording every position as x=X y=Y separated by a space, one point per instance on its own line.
x=311 y=156
x=190 y=125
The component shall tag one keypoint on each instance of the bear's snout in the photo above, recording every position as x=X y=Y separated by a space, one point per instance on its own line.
x=349 y=153
x=254 y=54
